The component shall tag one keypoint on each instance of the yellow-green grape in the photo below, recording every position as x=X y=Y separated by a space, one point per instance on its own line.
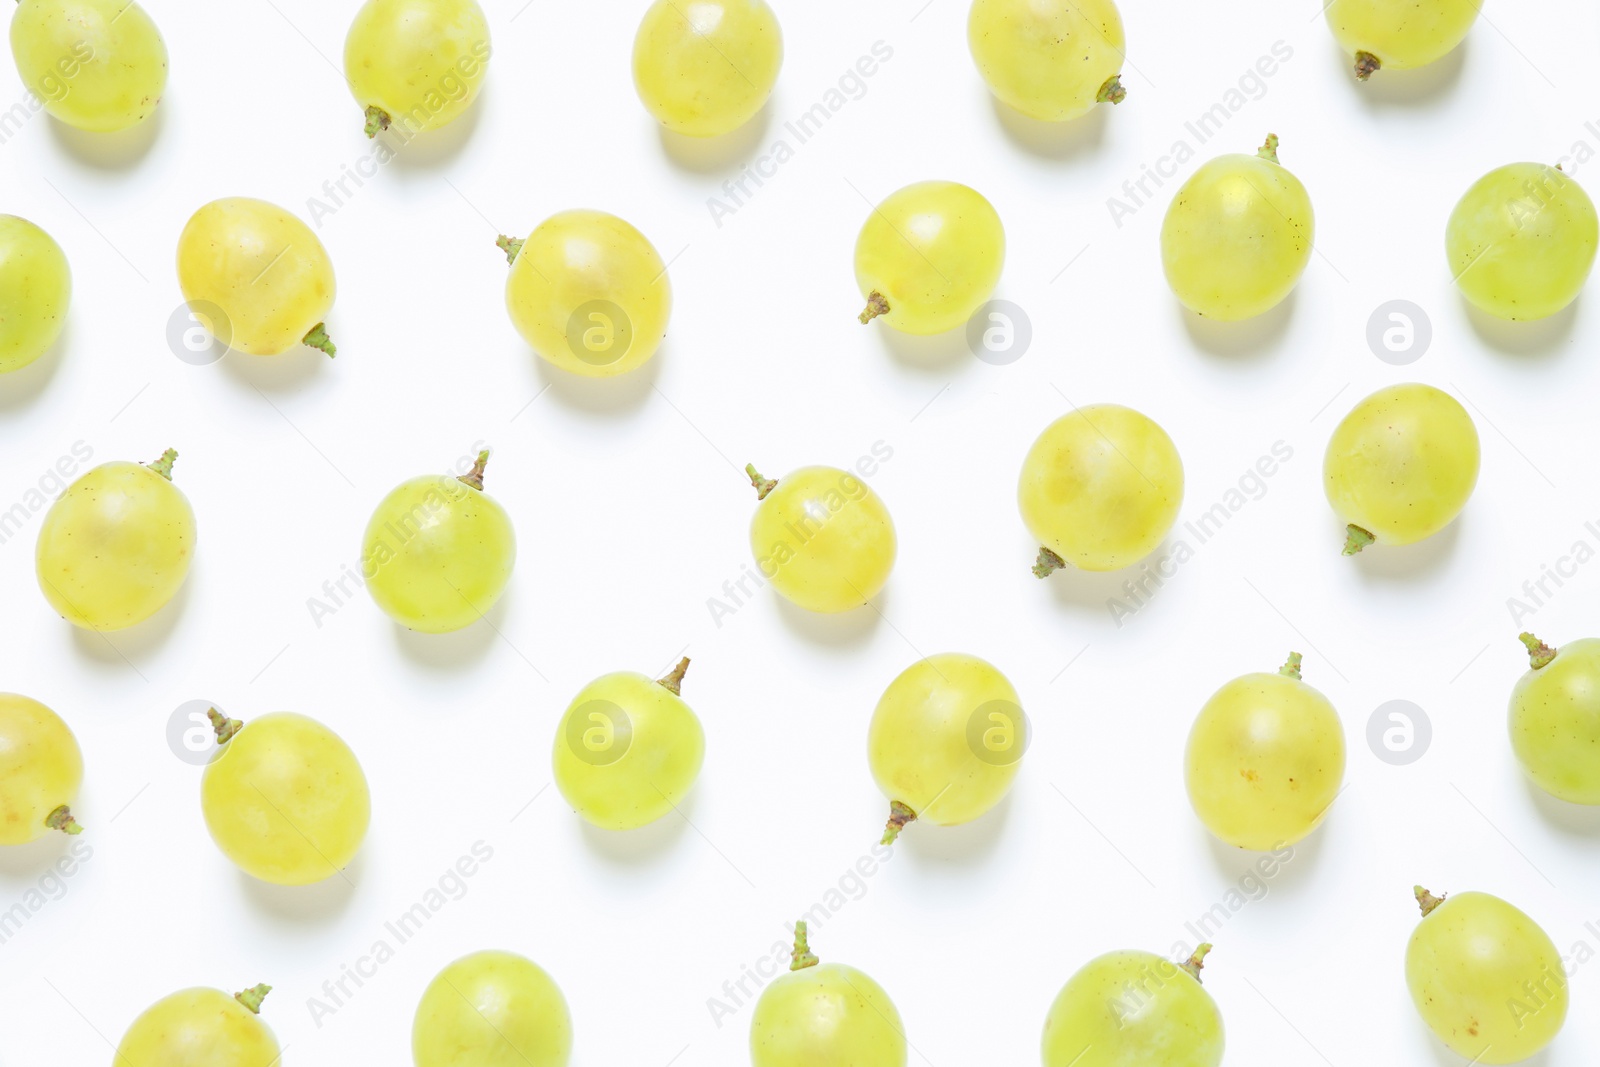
x=588 y=292
x=1555 y=719
x=1485 y=978
x=706 y=67
x=202 y=1028
x=1134 y=1009
x=929 y=256
x=945 y=741
x=628 y=749
x=492 y=1009
x=1400 y=466
x=35 y=288
x=1049 y=59
x=439 y=551
x=1521 y=241
x=416 y=63
x=1399 y=34
x=257 y=276
x=1265 y=759
x=99 y=65
x=115 y=547
x=1237 y=236
x=825 y=1015
x=1099 y=489
x=822 y=537
x=284 y=798
x=40 y=771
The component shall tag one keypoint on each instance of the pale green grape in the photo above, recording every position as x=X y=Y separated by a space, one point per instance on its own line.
x=35 y=288
x=1100 y=489
x=822 y=537
x=115 y=547
x=1399 y=34
x=825 y=1015
x=589 y=293
x=1485 y=978
x=929 y=256
x=41 y=769
x=1265 y=759
x=1555 y=719
x=417 y=64
x=438 y=551
x=263 y=269
x=1401 y=466
x=1049 y=59
x=705 y=67
x=945 y=741
x=492 y=1009
x=1134 y=1009
x=1237 y=235
x=99 y=65
x=1522 y=240
x=628 y=749
x=201 y=1028
x=285 y=799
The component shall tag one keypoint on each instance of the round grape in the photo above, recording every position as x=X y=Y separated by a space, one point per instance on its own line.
x=822 y=537
x=35 y=288
x=202 y=1028
x=492 y=1009
x=1134 y=1009
x=99 y=65
x=825 y=1015
x=1399 y=34
x=707 y=67
x=41 y=769
x=1555 y=719
x=1049 y=59
x=417 y=64
x=929 y=256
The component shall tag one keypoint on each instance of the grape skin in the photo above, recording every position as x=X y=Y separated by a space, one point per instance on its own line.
x=35 y=290
x=1051 y=60
x=198 y=1028
x=825 y=1015
x=1133 y=1009
x=929 y=256
x=416 y=63
x=823 y=539
x=1555 y=723
x=706 y=68
x=1399 y=34
x=492 y=1009
x=41 y=769
x=98 y=65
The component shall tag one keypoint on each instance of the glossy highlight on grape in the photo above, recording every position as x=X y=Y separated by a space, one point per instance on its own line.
x=928 y=257
x=492 y=1009
x=202 y=1028
x=416 y=64
x=1135 y=1009
x=1052 y=60
x=706 y=68
x=825 y=1015
x=822 y=538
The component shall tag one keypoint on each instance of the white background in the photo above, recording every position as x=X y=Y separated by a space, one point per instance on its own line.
x=631 y=513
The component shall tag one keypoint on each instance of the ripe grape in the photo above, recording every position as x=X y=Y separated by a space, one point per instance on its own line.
x=1265 y=759
x=115 y=547
x=1134 y=1008
x=929 y=256
x=1485 y=978
x=285 y=799
x=822 y=537
x=707 y=67
x=1555 y=719
x=588 y=292
x=99 y=65
x=945 y=741
x=35 y=288
x=825 y=1015
x=439 y=551
x=1050 y=60
x=419 y=63
x=1400 y=466
x=202 y=1028
x=492 y=1009
x=628 y=749
x=1237 y=236
x=263 y=269
x=1100 y=489
x=1522 y=240
x=40 y=771
x=1399 y=34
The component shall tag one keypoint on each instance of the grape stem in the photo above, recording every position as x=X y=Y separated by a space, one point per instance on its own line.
x=801 y=957
x=1291 y=669
x=763 y=485
x=1269 y=150
x=252 y=997
x=377 y=119
x=163 y=465
x=1197 y=963
x=1426 y=900
x=1112 y=91
x=900 y=816
x=510 y=246
x=1539 y=653
x=1356 y=539
x=474 y=477
x=876 y=305
x=673 y=682
x=61 y=819
x=225 y=727
x=1366 y=64
x=318 y=338
x=1047 y=563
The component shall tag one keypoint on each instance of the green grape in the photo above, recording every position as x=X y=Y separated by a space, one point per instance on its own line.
x=628 y=749
x=201 y=1028
x=492 y=1009
x=1237 y=236
x=825 y=1015
x=1555 y=719
x=1485 y=978
x=1521 y=241
x=99 y=65
x=1401 y=466
x=1049 y=59
x=40 y=771
x=284 y=798
x=263 y=270
x=822 y=537
x=705 y=68
x=439 y=551
x=929 y=256
x=1134 y=1009
x=945 y=741
x=1399 y=34
x=588 y=292
x=1265 y=759
x=115 y=547
x=35 y=288
x=419 y=63
x=1100 y=489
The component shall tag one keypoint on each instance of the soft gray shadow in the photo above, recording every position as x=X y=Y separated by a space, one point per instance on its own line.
x=280 y=374
x=714 y=155
x=1085 y=590
x=110 y=151
x=453 y=652
x=966 y=845
x=125 y=647
x=1248 y=339
x=933 y=353
x=1573 y=820
x=1540 y=339
x=1407 y=563
x=319 y=902
x=845 y=629
x=633 y=848
x=1056 y=141
x=1407 y=88
x=1443 y=1057
x=31 y=860
x=1234 y=863
x=431 y=148
x=617 y=396
x=22 y=387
